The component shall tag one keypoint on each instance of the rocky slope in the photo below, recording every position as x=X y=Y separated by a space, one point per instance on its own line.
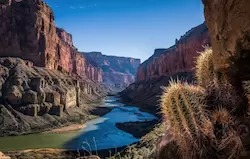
x=44 y=81
x=27 y=31
x=118 y=72
x=175 y=62
x=36 y=99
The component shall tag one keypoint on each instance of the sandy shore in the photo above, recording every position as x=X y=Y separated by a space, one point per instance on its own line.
x=68 y=128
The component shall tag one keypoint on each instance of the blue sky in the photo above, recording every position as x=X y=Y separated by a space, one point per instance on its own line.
x=131 y=28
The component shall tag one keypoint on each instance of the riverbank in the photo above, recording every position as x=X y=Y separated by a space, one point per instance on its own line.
x=71 y=120
x=99 y=136
x=144 y=148
x=69 y=128
x=137 y=129
x=97 y=112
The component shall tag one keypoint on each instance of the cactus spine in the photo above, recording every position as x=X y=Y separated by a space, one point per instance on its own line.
x=182 y=107
x=205 y=68
x=197 y=134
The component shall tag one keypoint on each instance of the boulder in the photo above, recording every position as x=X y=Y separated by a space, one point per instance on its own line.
x=14 y=95
x=30 y=97
x=71 y=98
x=31 y=110
x=37 y=84
x=56 y=110
x=45 y=108
x=53 y=97
x=41 y=97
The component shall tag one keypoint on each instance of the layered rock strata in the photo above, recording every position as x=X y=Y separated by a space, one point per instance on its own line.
x=33 y=97
x=178 y=58
x=176 y=62
x=118 y=72
x=27 y=31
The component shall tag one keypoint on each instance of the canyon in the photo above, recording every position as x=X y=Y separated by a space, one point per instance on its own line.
x=44 y=81
x=118 y=72
x=28 y=31
x=176 y=62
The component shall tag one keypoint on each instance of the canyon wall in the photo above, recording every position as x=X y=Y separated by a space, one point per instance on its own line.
x=178 y=58
x=27 y=30
x=118 y=72
x=44 y=81
x=34 y=99
x=175 y=62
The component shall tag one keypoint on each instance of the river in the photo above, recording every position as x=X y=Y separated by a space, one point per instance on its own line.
x=100 y=133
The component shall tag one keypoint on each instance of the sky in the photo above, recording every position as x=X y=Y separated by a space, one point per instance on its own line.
x=130 y=28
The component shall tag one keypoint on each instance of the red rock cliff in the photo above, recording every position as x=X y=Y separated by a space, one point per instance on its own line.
x=118 y=72
x=178 y=58
x=64 y=36
x=175 y=62
x=27 y=30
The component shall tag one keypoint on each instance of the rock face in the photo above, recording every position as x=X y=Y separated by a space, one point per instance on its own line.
x=118 y=72
x=178 y=58
x=32 y=97
x=64 y=36
x=229 y=26
x=175 y=62
x=44 y=81
x=27 y=31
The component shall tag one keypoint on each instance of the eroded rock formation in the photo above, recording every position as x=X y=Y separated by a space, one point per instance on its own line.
x=44 y=81
x=118 y=72
x=229 y=26
x=175 y=62
x=30 y=94
x=178 y=58
x=27 y=31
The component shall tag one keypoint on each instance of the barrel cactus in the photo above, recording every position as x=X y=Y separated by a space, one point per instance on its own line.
x=182 y=106
x=204 y=68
